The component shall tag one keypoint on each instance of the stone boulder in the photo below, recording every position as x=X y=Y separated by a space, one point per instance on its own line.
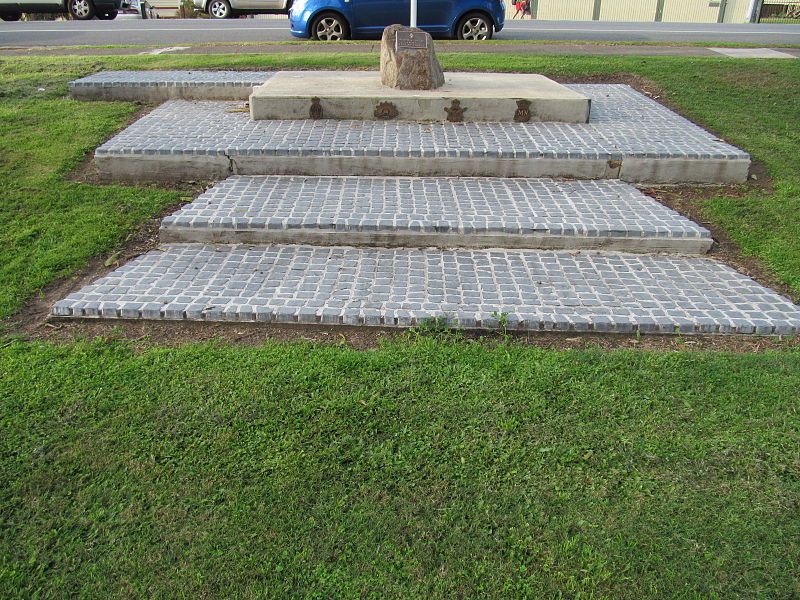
x=409 y=68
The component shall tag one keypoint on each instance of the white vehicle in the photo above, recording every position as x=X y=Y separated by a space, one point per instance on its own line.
x=137 y=9
x=226 y=9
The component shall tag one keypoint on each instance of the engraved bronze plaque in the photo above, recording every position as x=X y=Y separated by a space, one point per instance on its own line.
x=411 y=40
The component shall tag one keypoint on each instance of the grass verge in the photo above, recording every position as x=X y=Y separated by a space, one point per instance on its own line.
x=50 y=226
x=425 y=469
x=308 y=44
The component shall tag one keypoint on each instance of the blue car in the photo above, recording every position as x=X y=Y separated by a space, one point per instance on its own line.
x=331 y=20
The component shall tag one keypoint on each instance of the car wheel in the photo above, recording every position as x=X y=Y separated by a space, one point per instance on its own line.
x=11 y=16
x=83 y=10
x=220 y=9
x=108 y=15
x=330 y=27
x=474 y=26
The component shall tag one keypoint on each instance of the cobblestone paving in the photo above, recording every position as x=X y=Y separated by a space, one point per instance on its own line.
x=533 y=290
x=107 y=79
x=441 y=205
x=536 y=290
x=623 y=123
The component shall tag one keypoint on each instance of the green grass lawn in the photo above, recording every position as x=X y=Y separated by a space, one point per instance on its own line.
x=421 y=470
x=424 y=469
x=787 y=20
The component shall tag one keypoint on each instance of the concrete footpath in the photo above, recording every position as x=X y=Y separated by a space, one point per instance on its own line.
x=601 y=49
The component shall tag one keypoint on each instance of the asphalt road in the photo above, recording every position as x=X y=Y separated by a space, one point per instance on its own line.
x=172 y=32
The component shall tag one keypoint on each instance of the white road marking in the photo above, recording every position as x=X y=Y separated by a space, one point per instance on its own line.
x=752 y=53
x=162 y=50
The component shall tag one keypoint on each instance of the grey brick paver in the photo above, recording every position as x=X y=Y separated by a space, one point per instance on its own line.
x=446 y=205
x=138 y=79
x=540 y=290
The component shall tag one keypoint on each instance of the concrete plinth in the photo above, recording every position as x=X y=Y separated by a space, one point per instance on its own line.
x=361 y=96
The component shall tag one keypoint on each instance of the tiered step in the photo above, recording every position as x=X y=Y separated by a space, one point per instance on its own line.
x=444 y=212
x=528 y=290
x=159 y=86
x=628 y=137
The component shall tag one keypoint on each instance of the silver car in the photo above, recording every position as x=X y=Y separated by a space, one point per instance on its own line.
x=11 y=10
x=225 y=9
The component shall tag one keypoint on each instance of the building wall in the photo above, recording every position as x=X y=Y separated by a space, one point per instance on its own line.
x=565 y=10
x=691 y=11
x=736 y=12
x=625 y=10
x=677 y=11
x=165 y=8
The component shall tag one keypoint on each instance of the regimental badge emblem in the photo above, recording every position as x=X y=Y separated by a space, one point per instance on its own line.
x=455 y=114
x=315 y=112
x=523 y=112
x=386 y=111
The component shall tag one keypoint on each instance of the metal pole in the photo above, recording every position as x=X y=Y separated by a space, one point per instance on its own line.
x=753 y=11
x=722 y=6
x=413 y=13
x=659 y=11
x=596 y=10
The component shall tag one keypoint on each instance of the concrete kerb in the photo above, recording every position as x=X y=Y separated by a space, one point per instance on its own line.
x=152 y=94
x=683 y=170
x=410 y=239
x=160 y=86
x=188 y=167
x=162 y=168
